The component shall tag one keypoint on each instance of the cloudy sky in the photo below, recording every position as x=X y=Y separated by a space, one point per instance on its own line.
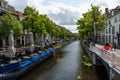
x=63 y=12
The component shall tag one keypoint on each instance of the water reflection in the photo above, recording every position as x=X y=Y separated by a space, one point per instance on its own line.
x=101 y=72
x=87 y=73
x=66 y=64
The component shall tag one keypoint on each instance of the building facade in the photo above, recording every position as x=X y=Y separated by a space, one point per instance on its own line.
x=112 y=31
x=4 y=7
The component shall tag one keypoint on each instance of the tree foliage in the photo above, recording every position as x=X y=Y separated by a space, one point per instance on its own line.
x=32 y=22
x=9 y=22
x=86 y=23
x=41 y=24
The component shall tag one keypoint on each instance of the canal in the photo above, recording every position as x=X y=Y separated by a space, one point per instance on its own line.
x=66 y=64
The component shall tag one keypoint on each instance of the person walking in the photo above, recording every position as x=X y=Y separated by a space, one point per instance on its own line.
x=106 y=47
x=111 y=46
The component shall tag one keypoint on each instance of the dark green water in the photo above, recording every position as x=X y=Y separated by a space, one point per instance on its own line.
x=65 y=65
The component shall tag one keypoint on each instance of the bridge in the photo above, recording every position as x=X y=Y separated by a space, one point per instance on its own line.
x=109 y=59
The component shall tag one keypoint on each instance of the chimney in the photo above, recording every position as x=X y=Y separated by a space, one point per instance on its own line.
x=106 y=11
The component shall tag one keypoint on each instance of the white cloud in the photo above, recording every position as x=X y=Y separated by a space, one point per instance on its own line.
x=107 y=4
x=63 y=14
x=20 y=5
x=72 y=28
x=60 y=12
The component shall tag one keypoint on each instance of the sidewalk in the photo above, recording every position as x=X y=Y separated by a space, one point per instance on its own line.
x=117 y=51
x=115 y=60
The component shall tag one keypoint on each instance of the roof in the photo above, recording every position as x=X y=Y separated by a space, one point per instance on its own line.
x=3 y=1
x=19 y=13
x=114 y=12
x=118 y=8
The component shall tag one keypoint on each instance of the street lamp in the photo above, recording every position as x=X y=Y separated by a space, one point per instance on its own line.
x=94 y=30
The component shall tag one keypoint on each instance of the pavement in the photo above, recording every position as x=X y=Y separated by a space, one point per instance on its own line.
x=117 y=51
x=117 y=55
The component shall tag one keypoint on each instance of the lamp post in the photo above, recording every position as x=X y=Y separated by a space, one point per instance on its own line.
x=94 y=30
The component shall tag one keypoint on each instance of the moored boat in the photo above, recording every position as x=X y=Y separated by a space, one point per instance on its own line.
x=16 y=68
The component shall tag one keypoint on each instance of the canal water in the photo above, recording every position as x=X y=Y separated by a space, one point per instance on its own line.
x=66 y=64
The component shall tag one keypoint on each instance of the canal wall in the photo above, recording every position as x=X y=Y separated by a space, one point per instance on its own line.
x=86 y=49
x=61 y=44
x=113 y=73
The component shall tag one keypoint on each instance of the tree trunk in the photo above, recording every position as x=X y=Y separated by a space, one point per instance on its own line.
x=34 y=36
x=4 y=42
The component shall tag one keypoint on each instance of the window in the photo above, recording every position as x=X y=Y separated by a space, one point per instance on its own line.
x=109 y=22
x=115 y=20
x=3 y=5
x=106 y=31
x=106 y=39
x=113 y=30
x=109 y=39
x=109 y=30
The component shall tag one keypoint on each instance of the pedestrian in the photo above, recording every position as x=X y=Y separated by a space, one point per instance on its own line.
x=111 y=46
x=106 y=47
x=95 y=42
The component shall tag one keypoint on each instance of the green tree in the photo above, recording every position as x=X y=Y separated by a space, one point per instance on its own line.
x=34 y=21
x=85 y=24
x=32 y=18
x=9 y=22
x=41 y=24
